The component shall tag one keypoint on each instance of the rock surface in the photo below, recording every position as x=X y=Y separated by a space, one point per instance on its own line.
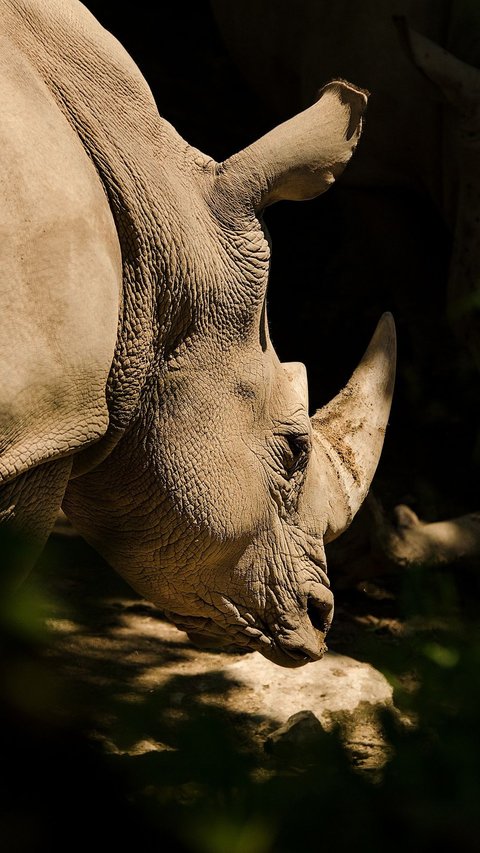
x=120 y=646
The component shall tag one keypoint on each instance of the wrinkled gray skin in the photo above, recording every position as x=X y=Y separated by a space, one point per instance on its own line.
x=140 y=388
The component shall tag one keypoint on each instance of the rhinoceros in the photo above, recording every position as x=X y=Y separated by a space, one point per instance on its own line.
x=139 y=386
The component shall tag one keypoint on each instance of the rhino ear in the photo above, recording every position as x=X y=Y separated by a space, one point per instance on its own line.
x=302 y=157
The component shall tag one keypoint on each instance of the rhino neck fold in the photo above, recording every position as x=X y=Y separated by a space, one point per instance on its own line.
x=106 y=100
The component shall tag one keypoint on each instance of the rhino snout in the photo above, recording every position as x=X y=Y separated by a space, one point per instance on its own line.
x=304 y=640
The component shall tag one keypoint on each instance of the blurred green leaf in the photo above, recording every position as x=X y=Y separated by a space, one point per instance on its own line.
x=442 y=655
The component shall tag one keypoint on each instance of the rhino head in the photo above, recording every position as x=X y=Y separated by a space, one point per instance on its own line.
x=197 y=471
x=217 y=501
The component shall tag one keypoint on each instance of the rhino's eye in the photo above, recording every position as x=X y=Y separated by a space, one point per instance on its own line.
x=297 y=449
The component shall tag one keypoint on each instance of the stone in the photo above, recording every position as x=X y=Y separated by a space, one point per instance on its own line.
x=125 y=646
x=296 y=738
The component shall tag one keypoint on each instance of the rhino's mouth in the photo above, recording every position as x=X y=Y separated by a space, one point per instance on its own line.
x=271 y=650
x=292 y=640
x=208 y=633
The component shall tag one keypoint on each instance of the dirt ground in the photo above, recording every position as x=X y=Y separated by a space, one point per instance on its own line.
x=125 y=661
x=142 y=734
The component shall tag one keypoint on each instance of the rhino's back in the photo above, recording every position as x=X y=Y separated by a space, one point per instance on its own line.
x=96 y=84
x=59 y=264
x=138 y=155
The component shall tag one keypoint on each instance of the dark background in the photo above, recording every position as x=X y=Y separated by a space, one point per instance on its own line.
x=325 y=299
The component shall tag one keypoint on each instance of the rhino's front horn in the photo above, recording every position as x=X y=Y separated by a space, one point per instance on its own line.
x=348 y=432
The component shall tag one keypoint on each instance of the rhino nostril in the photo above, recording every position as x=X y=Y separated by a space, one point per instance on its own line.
x=319 y=613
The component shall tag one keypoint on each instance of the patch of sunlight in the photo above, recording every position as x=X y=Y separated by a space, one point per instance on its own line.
x=132 y=623
x=63 y=626
x=130 y=698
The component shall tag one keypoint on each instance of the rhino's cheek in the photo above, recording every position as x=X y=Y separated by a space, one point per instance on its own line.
x=215 y=489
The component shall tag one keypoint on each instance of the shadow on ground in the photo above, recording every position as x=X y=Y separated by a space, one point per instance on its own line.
x=113 y=728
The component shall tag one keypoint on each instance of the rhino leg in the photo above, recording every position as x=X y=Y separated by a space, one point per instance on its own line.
x=28 y=508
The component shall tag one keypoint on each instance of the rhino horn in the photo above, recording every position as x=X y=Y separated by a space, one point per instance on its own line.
x=348 y=432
